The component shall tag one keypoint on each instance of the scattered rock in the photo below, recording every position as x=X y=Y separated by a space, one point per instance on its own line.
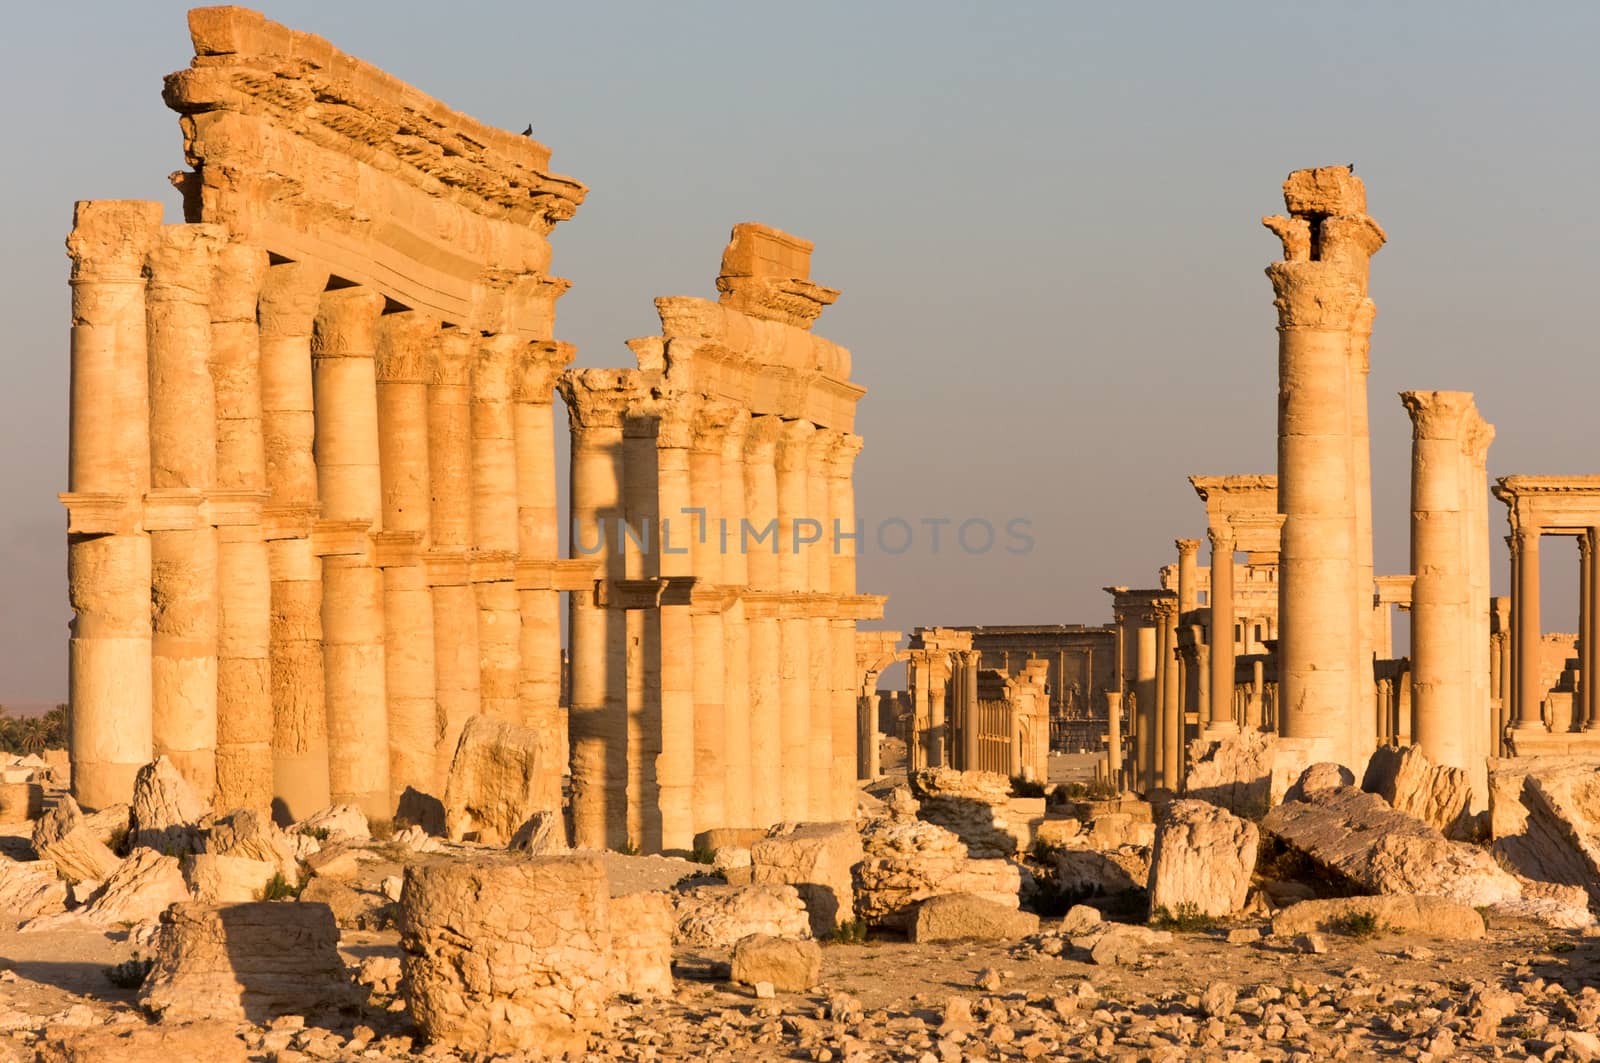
x=978 y=807
x=62 y=837
x=642 y=926
x=1203 y=859
x=543 y=834
x=1218 y=999
x=1080 y=920
x=30 y=888
x=218 y=879
x=1232 y=772
x=249 y=834
x=166 y=813
x=1410 y=782
x=790 y=965
x=140 y=889
x=144 y=1044
x=1429 y=916
x=336 y=823
x=962 y=917
x=1311 y=943
x=908 y=861
x=719 y=916
x=1319 y=778
x=817 y=859
x=1120 y=945
x=498 y=779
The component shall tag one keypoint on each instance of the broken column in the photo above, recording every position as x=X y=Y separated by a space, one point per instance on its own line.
x=1324 y=321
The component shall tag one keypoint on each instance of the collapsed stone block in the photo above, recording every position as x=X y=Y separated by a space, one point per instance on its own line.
x=246 y=963
x=1408 y=780
x=165 y=812
x=30 y=888
x=1203 y=859
x=139 y=890
x=1233 y=772
x=64 y=838
x=1431 y=916
x=497 y=781
x=1544 y=818
x=978 y=807
x=717 y=916
x=642 y=927
x=959 y=917
x=217 y=879
x=247 y=834
x=789 y=965
x=818 y=860
x=336 y=823
x=908 y=861
x=21 y=801
x=508 y=954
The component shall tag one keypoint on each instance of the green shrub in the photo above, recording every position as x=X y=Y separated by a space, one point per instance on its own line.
x=852 y=933
x=279 y=888
x=130 y=973
x=1357 y=925
x=1186 y=917
x=703 y=856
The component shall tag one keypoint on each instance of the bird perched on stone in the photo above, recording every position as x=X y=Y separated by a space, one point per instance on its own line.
x=1349 y=165
x=529 y=132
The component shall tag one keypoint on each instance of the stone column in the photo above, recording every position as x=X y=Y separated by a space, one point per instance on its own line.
x=539 y=541
x=1254 y=706
x=816 y=554
x=403 y=368
x=1114 y=737
x=244 y=582
x=457 y=677
x=289 y=301
x=642 y=670
x=873 y=707
x=1580 y=701
x=938 y=718
x=1441 y=627
x=839 y=470
x=494 y=525
x=1172 y=722
x=794 y=631
x=1144 y=694
x=1478 y=437
x=1219 y=716
x=108 y=564
x=1204 y=700
x=1525 y=617
x=1591 y=652
x=1324 y=317
x=1188 y=575
x=183 y=470
x=343 y=346
x=675 y=768
x=761 y=510
x=597 y=637
x=917 y=683
x=736 y=689
x=970 y=661
x=711 y=723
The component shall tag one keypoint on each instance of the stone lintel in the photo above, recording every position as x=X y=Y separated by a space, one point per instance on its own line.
x=493 y=566
x=1556 y=505
x=174 y=509
x=447 y=567
x=91 y=513
x=560 y=574
x=644 y=593
x=289 y=520
x=398 y=549
x=342 y=538
x=1393 y=590
x=227 y=509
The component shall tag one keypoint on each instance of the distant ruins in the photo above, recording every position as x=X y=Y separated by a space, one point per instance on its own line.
x=312 y=495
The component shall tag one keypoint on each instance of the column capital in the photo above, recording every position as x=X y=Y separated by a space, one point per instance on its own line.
x=1438 y=414
x=405 y=347
x=1527 y=536
x=734 y=435
x=452 y=357
x=346 y=323
x=597 y=398
x=1476 y=440
x=181 y=260
x=538 y=366
x=110 y=237
x=290 y=296
x=1187 y=547
x=761 y=439
x=841 y=455
x=1328 y=240
x=1586 y=545
x=494 y=365
x=710 y=423
x=794 y=441
x=237 y=281
x=1222 y=539
x=1164 y=609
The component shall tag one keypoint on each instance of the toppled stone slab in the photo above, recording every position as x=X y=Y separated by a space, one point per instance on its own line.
x=718 y=916
x=246 y=962
x=1429 y=916
x=1233 y=772
x=498 y=779
x=961 y=917
x=1544 y=815
x=166 y=812
x=1358 y=836
x=509 y=954
x=1203 y=859
x=1433 y=793
x=30 y=888
x=142 y=1043
x=908 y=861
x=789 y=965
x=139 y=890
x=979 y=808
x=642 y=927
x=336 y=823
x=247 y=834
x=216 y=879
x=63 y=837
x=817 y=859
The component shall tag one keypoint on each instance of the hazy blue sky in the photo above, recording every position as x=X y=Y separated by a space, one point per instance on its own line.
x=1044 y=219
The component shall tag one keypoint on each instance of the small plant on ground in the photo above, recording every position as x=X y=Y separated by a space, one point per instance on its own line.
x=852 y=933
x=320 y=834
x=118 y=842
x=1186 y=917
x=382 y=829
x=130 y=973
x=1357 y=925
x=703 y=856
x=627 y=849
x=279 y=888
x=1021 y=787
x=1562 y=946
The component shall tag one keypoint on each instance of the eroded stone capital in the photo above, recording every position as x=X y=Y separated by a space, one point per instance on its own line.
x=494 y=365
x=1438 y=414
x=597 y=398
x=452 y=357
x=290 y=296
x=761 y=439
x=405 y=347
x=794 y=444
x=1222 y=538
x=711 y=420
x=537 y=368
x=346 y=325
x=1187 y=547
x=236 y=282
x=734 y=435
x=182 y=259
x=110 y=237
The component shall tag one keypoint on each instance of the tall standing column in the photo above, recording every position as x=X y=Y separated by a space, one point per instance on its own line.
x=1580 y=703
x=343 y=347
x=1114 y=737
x=1144 y=698
x=813 y=540
x=794 y=630
x=1323 y=318
x=598 y=716
x=183 y=470
x=737 y=701
x=641 y=513
x=711 y=753
x=108 y=564
x=457 y=675
x=244 y=582
x=1525 y=615
x=404 y=355
x=842 y=538
x=675 y=768
x=765 y=642
x=1219 y=715
x=289 y=301
x=1477 y=439
x=1172 y=723
x=1188 y=575
x=938 y=718
x=539 y=540
x=494 y=525
x=1591 y=653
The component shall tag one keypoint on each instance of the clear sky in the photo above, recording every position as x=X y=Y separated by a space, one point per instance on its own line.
x=1043 y=217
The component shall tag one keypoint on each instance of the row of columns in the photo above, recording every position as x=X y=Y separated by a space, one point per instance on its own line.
x=1527 y=686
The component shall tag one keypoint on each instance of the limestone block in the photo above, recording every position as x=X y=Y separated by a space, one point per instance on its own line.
x=1057 y=831
x=1357 y=835
x=543 y=834
x=246 y=962
x=21 y=801
x=717 y=916
x=1232 y=772
x=642 y=926
x=975 y=806
x=789 y=965
x=64 y=838
x=496 y=781
x=1430 y=916
x=139 y=890
x=1114 y=830
x=336 y=823
x=216 y=879
x=109 y=824
x=1319 y=779
x=1561 y=907
x=1544 y=816
x=1103 y=872
x=1121 y=945
x=1413 y=784
x=353 y=908
x=143 y=1043
x=508 y=954
x=908 y=861
x=165 y=811
x=1203 y=857
x=247 y=834
x=961 y=917
x=818 y=859
x=30 y=888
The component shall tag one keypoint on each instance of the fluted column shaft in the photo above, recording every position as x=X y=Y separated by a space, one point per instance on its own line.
x=765 y=642
x=404 y=366
x=1525 y=616
x=289 y=301
x=794 y=629
x=1219 y=713
x=494 y=525
x=675 y=767
x=701 y=536
x=108 y=571
x=349 y=482
x=839 y=469
x=244 y=582
x=724 y=533
x=183 y=470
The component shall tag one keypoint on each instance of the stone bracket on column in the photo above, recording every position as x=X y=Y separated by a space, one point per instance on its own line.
x=289 y=521
x=174 y=509
x=644 y=593
x=347 y=538
x=557 y=574
x=448 y=568
x=397 y=549
x=91 y=513
x=227 y=509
